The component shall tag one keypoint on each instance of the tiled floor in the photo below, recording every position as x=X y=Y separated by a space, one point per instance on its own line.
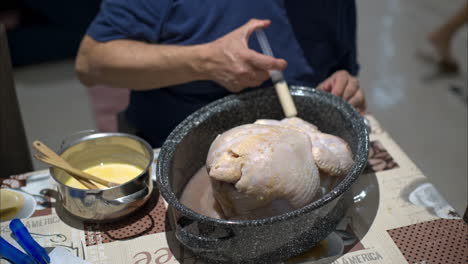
x=420 y=112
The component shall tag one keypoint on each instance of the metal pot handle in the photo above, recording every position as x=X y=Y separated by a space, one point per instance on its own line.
x=196 y=242
x=367 y=123
x=129 y=198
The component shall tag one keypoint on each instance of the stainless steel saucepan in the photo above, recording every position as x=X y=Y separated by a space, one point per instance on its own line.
x=109 y=203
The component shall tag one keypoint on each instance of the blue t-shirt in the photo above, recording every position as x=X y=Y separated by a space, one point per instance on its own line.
x=316 y=37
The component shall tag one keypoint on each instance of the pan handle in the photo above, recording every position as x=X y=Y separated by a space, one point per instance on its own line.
x=129 y=198
x=199 y=243
x=367 y=123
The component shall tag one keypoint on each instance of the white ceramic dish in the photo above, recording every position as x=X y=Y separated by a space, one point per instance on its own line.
x=29 y=206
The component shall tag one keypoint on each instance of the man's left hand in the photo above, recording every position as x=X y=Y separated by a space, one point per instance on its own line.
x=346 y=86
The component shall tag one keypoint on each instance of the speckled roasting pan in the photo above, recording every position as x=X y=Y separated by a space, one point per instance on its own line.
x=266 y=240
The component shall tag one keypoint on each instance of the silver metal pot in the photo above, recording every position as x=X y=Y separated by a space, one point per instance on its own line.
x=110 y=203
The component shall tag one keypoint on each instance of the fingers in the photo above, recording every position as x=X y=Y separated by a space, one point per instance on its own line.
x=237 y=67
x=351 y=88
x=346 y=86
x=325 y=85
x=263 y=62
x=358 y=100
x=252 y=26
x=258 y=66
x=339 y=83
x=244 y=78
x=254 y=58
x=234 y=88
x=253 y=78
x=258 y=77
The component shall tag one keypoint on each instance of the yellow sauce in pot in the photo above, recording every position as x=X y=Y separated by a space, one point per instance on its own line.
x=114 y=172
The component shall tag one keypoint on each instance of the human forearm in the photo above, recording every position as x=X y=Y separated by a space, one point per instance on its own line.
x=137 y=65
x=227 y=61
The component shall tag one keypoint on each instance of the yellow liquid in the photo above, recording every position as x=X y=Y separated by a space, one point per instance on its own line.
x=11 y=204
x=113 y=172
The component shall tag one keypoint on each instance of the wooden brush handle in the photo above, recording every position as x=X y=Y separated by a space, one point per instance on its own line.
x=282 y=90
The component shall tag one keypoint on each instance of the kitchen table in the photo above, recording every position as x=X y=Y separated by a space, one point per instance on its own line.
x=397 y=217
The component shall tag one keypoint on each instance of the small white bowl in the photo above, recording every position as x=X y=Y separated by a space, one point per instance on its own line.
x=29 y=206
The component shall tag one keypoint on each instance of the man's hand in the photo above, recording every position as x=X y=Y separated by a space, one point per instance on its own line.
x=145 y=66
x=346 y=86
x=231 y=63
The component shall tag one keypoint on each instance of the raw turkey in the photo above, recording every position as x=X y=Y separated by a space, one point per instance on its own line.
x=332 y=154
x=259 y=171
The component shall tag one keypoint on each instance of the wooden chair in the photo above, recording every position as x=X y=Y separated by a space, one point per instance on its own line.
x=14 y=151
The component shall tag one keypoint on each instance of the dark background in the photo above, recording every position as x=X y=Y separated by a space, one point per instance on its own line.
x=45 y=30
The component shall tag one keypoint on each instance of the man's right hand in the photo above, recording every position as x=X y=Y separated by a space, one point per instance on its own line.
x=230 y=63
x=143 y=66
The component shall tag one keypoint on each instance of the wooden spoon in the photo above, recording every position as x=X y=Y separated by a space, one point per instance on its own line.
x=41 y=147
x=51 y=158
x=86 y=182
